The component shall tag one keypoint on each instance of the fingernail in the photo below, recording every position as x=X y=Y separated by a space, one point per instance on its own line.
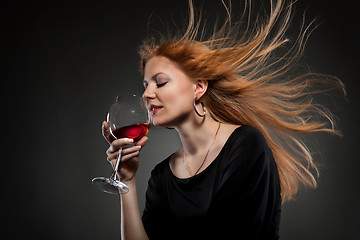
x=131 y=140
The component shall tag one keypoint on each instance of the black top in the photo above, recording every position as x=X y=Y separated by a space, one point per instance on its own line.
x=236 y=197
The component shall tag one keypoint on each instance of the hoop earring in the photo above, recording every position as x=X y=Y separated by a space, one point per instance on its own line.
x=203 y=107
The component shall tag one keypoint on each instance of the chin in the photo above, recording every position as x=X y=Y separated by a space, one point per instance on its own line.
x=170 y=121
x=156 y=123
x=159 y=123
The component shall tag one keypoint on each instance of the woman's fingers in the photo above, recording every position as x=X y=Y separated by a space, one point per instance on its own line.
x=142 y=141
x=131 y=149
x=122 y=142
x=106 y=132
x=119 y=143
x=126 y=153
x=124 y=158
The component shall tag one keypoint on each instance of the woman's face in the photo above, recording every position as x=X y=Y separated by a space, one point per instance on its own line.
x=169 y=92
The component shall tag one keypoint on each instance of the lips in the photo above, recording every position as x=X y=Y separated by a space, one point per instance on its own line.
x=153 y=109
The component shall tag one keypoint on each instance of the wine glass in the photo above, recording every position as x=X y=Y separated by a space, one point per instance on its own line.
x=127 y=118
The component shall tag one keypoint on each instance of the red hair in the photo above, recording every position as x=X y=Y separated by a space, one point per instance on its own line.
x=247 y=85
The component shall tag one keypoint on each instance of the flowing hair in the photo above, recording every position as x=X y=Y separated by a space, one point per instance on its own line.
x=249 y=84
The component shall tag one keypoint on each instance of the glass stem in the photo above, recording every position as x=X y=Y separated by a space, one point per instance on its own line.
x=114 y=174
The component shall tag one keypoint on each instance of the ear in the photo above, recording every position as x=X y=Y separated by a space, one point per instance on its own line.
x=200 y=88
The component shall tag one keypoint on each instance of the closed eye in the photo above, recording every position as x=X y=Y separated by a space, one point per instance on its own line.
x=159 y=85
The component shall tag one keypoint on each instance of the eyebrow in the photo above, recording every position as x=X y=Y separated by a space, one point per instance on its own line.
x=153 y=77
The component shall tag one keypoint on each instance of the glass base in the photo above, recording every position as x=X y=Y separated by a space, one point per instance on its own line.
x=109 y=185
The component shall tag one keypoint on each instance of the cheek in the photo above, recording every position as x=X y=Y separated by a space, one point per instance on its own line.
x=179 y=107
x=177 y=103
x=181 y=97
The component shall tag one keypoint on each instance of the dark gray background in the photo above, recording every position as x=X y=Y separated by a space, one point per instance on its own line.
x=63 y=65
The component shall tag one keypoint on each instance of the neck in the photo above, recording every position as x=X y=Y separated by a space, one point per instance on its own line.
x=197 y=134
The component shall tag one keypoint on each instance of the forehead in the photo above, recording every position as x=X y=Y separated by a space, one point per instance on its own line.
x=160 y=64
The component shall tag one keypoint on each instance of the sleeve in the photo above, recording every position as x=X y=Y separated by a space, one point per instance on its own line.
x=248 y=194
x=154 y=214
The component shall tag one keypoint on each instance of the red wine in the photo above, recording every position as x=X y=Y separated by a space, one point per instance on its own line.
x=136 y=131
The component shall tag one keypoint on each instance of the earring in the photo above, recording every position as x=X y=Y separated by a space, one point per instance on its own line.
x=203 y=107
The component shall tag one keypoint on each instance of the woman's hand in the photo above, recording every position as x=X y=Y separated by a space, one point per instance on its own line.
x=129 y=156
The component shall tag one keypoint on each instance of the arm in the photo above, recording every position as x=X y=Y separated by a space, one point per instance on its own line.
x=131 y=223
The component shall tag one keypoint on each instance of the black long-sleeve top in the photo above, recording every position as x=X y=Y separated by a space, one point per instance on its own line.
x=236 y=197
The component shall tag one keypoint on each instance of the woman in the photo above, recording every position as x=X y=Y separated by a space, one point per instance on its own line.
x=238 y=115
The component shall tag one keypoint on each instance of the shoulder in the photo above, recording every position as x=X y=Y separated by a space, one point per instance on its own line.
x=246 y=146
x=161 y=168
x=248 y=137
x=246 y=157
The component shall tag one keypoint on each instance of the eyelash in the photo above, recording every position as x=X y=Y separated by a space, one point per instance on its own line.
x=159 y=85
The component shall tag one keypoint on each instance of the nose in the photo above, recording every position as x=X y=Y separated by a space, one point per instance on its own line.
x=148 y=93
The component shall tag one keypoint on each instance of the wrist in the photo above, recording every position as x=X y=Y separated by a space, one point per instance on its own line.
x=131 y=183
